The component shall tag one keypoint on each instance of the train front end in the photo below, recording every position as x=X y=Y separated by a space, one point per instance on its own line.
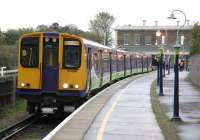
x=52 y=70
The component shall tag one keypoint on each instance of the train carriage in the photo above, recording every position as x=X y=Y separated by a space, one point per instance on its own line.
x=58 y=69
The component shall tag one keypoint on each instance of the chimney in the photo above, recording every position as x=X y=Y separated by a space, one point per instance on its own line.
x=188 y=22
x=144 y=22
x=177 y=23
x=156 y=23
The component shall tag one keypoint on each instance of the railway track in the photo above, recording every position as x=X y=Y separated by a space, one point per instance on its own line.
x=13 y=130
x=9 y=132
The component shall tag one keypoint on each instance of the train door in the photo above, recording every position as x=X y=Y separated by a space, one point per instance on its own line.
x=89 y=66
x=50 y=63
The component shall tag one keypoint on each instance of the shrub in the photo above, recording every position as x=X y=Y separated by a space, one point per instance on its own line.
x=195 y=48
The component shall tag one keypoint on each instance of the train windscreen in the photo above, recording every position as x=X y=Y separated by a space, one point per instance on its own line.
x=71 y=54
x=29 y=55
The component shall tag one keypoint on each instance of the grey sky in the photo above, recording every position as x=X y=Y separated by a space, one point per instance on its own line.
x=30 y=13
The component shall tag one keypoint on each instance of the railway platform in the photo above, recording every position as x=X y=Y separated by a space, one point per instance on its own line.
x=121 y=111
x=189 y=105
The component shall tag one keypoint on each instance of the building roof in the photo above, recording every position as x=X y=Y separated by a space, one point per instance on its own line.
x=130 y=27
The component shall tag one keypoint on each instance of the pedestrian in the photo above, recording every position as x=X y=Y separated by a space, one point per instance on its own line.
x=181 y=65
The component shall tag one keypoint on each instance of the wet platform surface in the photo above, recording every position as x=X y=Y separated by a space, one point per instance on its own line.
x=121 y=112
x=189 y=103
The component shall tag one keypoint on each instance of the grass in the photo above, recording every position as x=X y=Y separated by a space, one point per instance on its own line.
x=10 y=111
x=167 y=126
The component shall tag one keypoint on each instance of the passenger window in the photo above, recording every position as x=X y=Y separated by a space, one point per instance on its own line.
x=51 y=57
x=29 y=52
x=71 y=53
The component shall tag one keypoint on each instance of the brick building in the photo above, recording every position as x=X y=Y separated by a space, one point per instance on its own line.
x=143 y=38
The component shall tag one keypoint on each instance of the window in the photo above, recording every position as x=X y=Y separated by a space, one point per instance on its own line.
x=51 y=59
x=126 y=39
x=29 y=55
x=71 y=53
x=137 y=39
x=147 y=40
x=163 y=40
x=96 y=62
x=182 y=40
x=51 y=51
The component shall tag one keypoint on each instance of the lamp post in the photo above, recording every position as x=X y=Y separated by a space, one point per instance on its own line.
x=158 y=34
x=164 y=66
x=168 y=62
x=158 y=71
x=158 y=59
x=142 y=61
x=164 y=56
x=136 y=65
x=177 y=46
x=147 y=64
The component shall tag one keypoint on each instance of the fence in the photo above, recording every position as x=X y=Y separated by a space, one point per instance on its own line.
x=7 y=86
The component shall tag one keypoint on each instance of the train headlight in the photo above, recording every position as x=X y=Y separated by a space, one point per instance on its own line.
x=23 y=84
x=54 y=40
x=76 y=86
x=46 y=39
x=65 y=85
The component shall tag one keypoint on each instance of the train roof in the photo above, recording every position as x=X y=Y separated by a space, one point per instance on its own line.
x=89 y=42
x=98 y=45
x=95 y=44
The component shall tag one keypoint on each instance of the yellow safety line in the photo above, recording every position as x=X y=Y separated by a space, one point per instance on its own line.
x=105 y=120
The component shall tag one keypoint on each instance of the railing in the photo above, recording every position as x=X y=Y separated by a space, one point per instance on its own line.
x=7 y=86
x=4 y=73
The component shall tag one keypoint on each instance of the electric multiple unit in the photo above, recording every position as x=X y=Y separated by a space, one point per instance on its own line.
x=58 y=69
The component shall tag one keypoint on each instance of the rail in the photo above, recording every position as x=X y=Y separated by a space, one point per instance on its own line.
x=18 y=127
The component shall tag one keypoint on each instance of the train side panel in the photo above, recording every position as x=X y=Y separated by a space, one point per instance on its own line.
x=96 y=68
x=75 y=78
x=29 y=71
x=106 y=65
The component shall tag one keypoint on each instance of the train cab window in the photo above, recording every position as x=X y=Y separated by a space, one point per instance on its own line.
x=51 y=52
x=29 y=55
x=71 y=54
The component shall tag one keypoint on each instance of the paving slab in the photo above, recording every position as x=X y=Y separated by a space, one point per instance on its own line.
x=189 y=103
x=76 y=125
x=121 y=112
x=131 y=118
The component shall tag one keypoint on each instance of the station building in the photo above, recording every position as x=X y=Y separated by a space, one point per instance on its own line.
x=143 y=38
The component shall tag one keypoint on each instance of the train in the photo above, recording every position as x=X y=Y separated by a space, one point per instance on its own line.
x=57 y=70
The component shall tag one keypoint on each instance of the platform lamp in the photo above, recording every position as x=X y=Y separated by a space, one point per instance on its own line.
x=177 y=47
x=158 y=34
x=162 y=47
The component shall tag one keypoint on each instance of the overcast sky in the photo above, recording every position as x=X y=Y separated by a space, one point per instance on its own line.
x=30 y=13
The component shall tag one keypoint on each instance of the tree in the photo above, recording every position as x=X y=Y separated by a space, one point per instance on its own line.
x=101 y=25
x=25 y=30
x=71 y=29
x=42 y=28
x=195 y=48
x=8 y=56
x=90 y=35
x=11 y=36
x=2 y=38
x=55 y=27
